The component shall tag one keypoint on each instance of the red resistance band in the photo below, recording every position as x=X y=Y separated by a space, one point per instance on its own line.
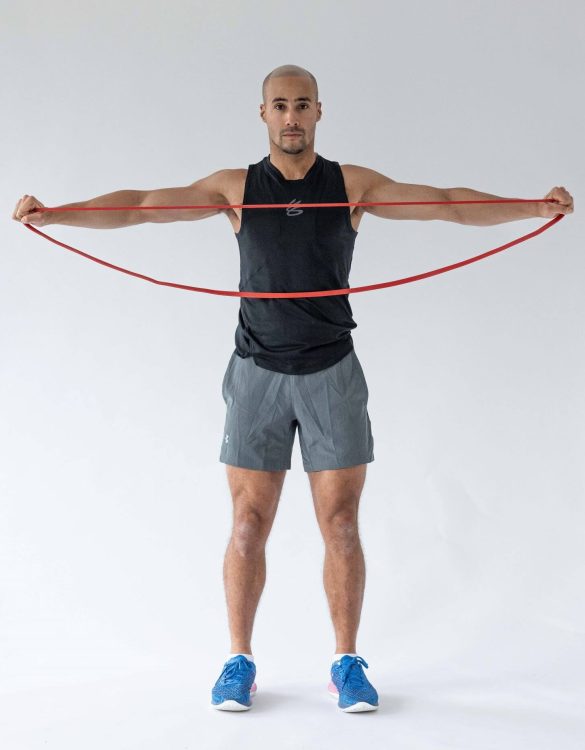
x=323 y=293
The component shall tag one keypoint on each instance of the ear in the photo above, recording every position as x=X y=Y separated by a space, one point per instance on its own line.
x=319 y=113
x=262 y=111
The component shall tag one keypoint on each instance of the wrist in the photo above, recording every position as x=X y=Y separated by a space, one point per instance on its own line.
x=50 y=217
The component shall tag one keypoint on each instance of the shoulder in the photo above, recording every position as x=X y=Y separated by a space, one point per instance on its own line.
x=231 y=186
x=232 y=177
x=224 y=178
x=359 y=180
x=362 y=175
x=230 y=183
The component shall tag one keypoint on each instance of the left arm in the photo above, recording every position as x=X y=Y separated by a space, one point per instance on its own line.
x=498 y=213
x=375 y=187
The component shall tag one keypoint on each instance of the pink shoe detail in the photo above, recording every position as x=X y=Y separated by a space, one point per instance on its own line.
x=332 y=689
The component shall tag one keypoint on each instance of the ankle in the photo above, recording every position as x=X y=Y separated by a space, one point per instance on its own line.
x=247 y=653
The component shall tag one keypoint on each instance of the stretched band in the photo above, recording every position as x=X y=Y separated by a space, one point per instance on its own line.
x=322 y=293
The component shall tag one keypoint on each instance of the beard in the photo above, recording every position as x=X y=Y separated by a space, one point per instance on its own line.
x=292 y=148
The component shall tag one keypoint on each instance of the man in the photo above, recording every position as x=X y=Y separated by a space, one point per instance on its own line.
x=294 y=364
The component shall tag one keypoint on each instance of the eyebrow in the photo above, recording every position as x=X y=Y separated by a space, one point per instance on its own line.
x=298 y=99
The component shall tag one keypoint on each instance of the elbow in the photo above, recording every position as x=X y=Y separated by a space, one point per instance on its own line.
x=452 y=212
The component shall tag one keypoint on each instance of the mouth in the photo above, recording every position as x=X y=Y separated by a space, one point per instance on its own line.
x=292 y=134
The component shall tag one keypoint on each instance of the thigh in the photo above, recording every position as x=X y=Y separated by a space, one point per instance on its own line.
x=255 y=492
x=333 y=421
x=260 y=427
x=337 y=492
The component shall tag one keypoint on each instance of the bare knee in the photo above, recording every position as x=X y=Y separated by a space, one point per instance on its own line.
x=255 y=497
x=250 y=532
x=340 y=532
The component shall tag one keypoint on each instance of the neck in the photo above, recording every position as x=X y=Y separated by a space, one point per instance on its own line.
x=292 y=166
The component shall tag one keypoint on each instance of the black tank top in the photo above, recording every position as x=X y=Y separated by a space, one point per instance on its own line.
x=293 y=250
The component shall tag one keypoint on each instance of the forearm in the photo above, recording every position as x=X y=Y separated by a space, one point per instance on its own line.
x=483 y=214
x=103 y=219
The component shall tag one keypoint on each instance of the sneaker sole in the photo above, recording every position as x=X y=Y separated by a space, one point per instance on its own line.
x=355 y=707
x=232 y=705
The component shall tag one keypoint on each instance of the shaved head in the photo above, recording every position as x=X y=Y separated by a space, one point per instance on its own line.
x=289 y=70
x=290 y=112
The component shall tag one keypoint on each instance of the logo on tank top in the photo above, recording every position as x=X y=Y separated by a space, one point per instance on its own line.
x=294 y=211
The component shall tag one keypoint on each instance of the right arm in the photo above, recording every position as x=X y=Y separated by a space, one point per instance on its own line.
x=206 y=191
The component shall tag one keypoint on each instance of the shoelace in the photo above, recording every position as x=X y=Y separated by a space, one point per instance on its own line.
x=231 y=672
x=353 y=675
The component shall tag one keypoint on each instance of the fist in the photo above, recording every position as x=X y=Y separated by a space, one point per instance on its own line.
x=563 y=203
x=26 y=211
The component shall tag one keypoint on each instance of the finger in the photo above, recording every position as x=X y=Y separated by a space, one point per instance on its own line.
x=565 y=202
x=20 y=209
x=25 y=204
x=559 y=196
x=566 y=197
x=28 y=205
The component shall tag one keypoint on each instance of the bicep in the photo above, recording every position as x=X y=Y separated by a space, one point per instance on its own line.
x=207 y=191
x=378 y=188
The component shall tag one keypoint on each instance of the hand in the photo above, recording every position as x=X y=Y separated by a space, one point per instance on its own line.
x=563 y=204
x=26 y=212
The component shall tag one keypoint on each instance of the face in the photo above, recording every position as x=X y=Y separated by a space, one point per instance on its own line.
x=294 y=111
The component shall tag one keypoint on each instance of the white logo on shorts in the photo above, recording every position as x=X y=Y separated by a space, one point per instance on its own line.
x=227 y=439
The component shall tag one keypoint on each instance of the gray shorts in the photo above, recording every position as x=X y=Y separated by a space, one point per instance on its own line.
x=265 y=407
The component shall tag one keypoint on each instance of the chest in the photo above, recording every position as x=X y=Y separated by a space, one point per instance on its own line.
x=236 y=197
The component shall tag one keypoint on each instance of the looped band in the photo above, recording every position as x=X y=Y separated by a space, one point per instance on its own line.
x=321 y=293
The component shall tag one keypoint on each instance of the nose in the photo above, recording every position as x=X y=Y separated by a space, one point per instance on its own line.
x=292 y=121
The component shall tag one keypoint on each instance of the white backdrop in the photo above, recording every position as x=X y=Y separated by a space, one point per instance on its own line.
x=115 y=509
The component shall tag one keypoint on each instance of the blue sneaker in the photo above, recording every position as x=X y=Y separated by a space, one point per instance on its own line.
x=235 y=687
x=351 y=686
